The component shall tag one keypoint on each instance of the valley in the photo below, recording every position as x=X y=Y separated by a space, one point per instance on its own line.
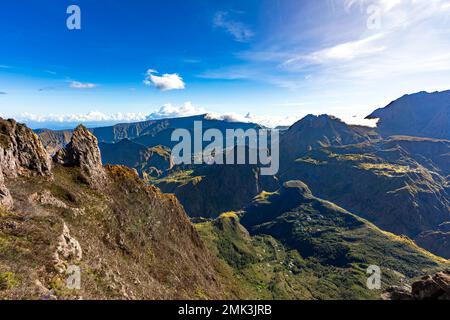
x=346 y=198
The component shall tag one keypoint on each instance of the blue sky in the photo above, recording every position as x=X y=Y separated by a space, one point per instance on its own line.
x=270 y=61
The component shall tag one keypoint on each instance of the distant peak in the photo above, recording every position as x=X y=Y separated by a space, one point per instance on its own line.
x=421 y=114
x=317 y=121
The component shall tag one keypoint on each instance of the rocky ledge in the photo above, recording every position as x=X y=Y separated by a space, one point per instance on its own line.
x=436 y=287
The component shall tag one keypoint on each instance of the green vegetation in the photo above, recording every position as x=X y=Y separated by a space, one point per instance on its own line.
x=302 y=247
x=8 y=280
x=386 y=169
x=179 y=177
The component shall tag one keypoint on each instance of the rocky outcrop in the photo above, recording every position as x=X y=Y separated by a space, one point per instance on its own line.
x=68 y=250
x=436 y=287
x=21 y=154
x=83 y=152
x=46 y=198
x=5 y=196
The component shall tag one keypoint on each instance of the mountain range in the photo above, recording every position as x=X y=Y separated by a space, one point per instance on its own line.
x=112 y=201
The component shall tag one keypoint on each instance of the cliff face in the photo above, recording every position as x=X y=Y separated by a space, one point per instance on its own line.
x=128 y=240
x=21 y=154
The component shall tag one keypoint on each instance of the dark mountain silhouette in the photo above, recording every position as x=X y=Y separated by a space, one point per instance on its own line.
x=313 y=132
x=122 y=234
x=421 y=114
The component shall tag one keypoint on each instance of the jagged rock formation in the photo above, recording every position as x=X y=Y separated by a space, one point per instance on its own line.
x=83 y=152
x=67 y=251
x=21 y=154
x=435 y=287
x=122 y=237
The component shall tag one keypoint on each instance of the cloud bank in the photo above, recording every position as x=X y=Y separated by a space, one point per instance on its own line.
x=164 y=82
x=96 y=118
x=93 y=116
x=170 y=111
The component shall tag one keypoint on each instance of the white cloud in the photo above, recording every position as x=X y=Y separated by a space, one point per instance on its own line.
x=188 y=109
x=410 y=51
x=164 y=112
x=93 y=116
x=170 y=111
x=270 y=122
x=81 y=85
x=165 y=82
x=239 y=31
x=344 y=51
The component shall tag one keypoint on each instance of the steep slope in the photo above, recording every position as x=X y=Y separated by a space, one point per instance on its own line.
x=381 y=182
x=299 y=246
x=207 y=191
x=399 y=183
x=433 y=154
x=422 y=114
x=21 y=154
x=122 y=234
x=147 y=161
